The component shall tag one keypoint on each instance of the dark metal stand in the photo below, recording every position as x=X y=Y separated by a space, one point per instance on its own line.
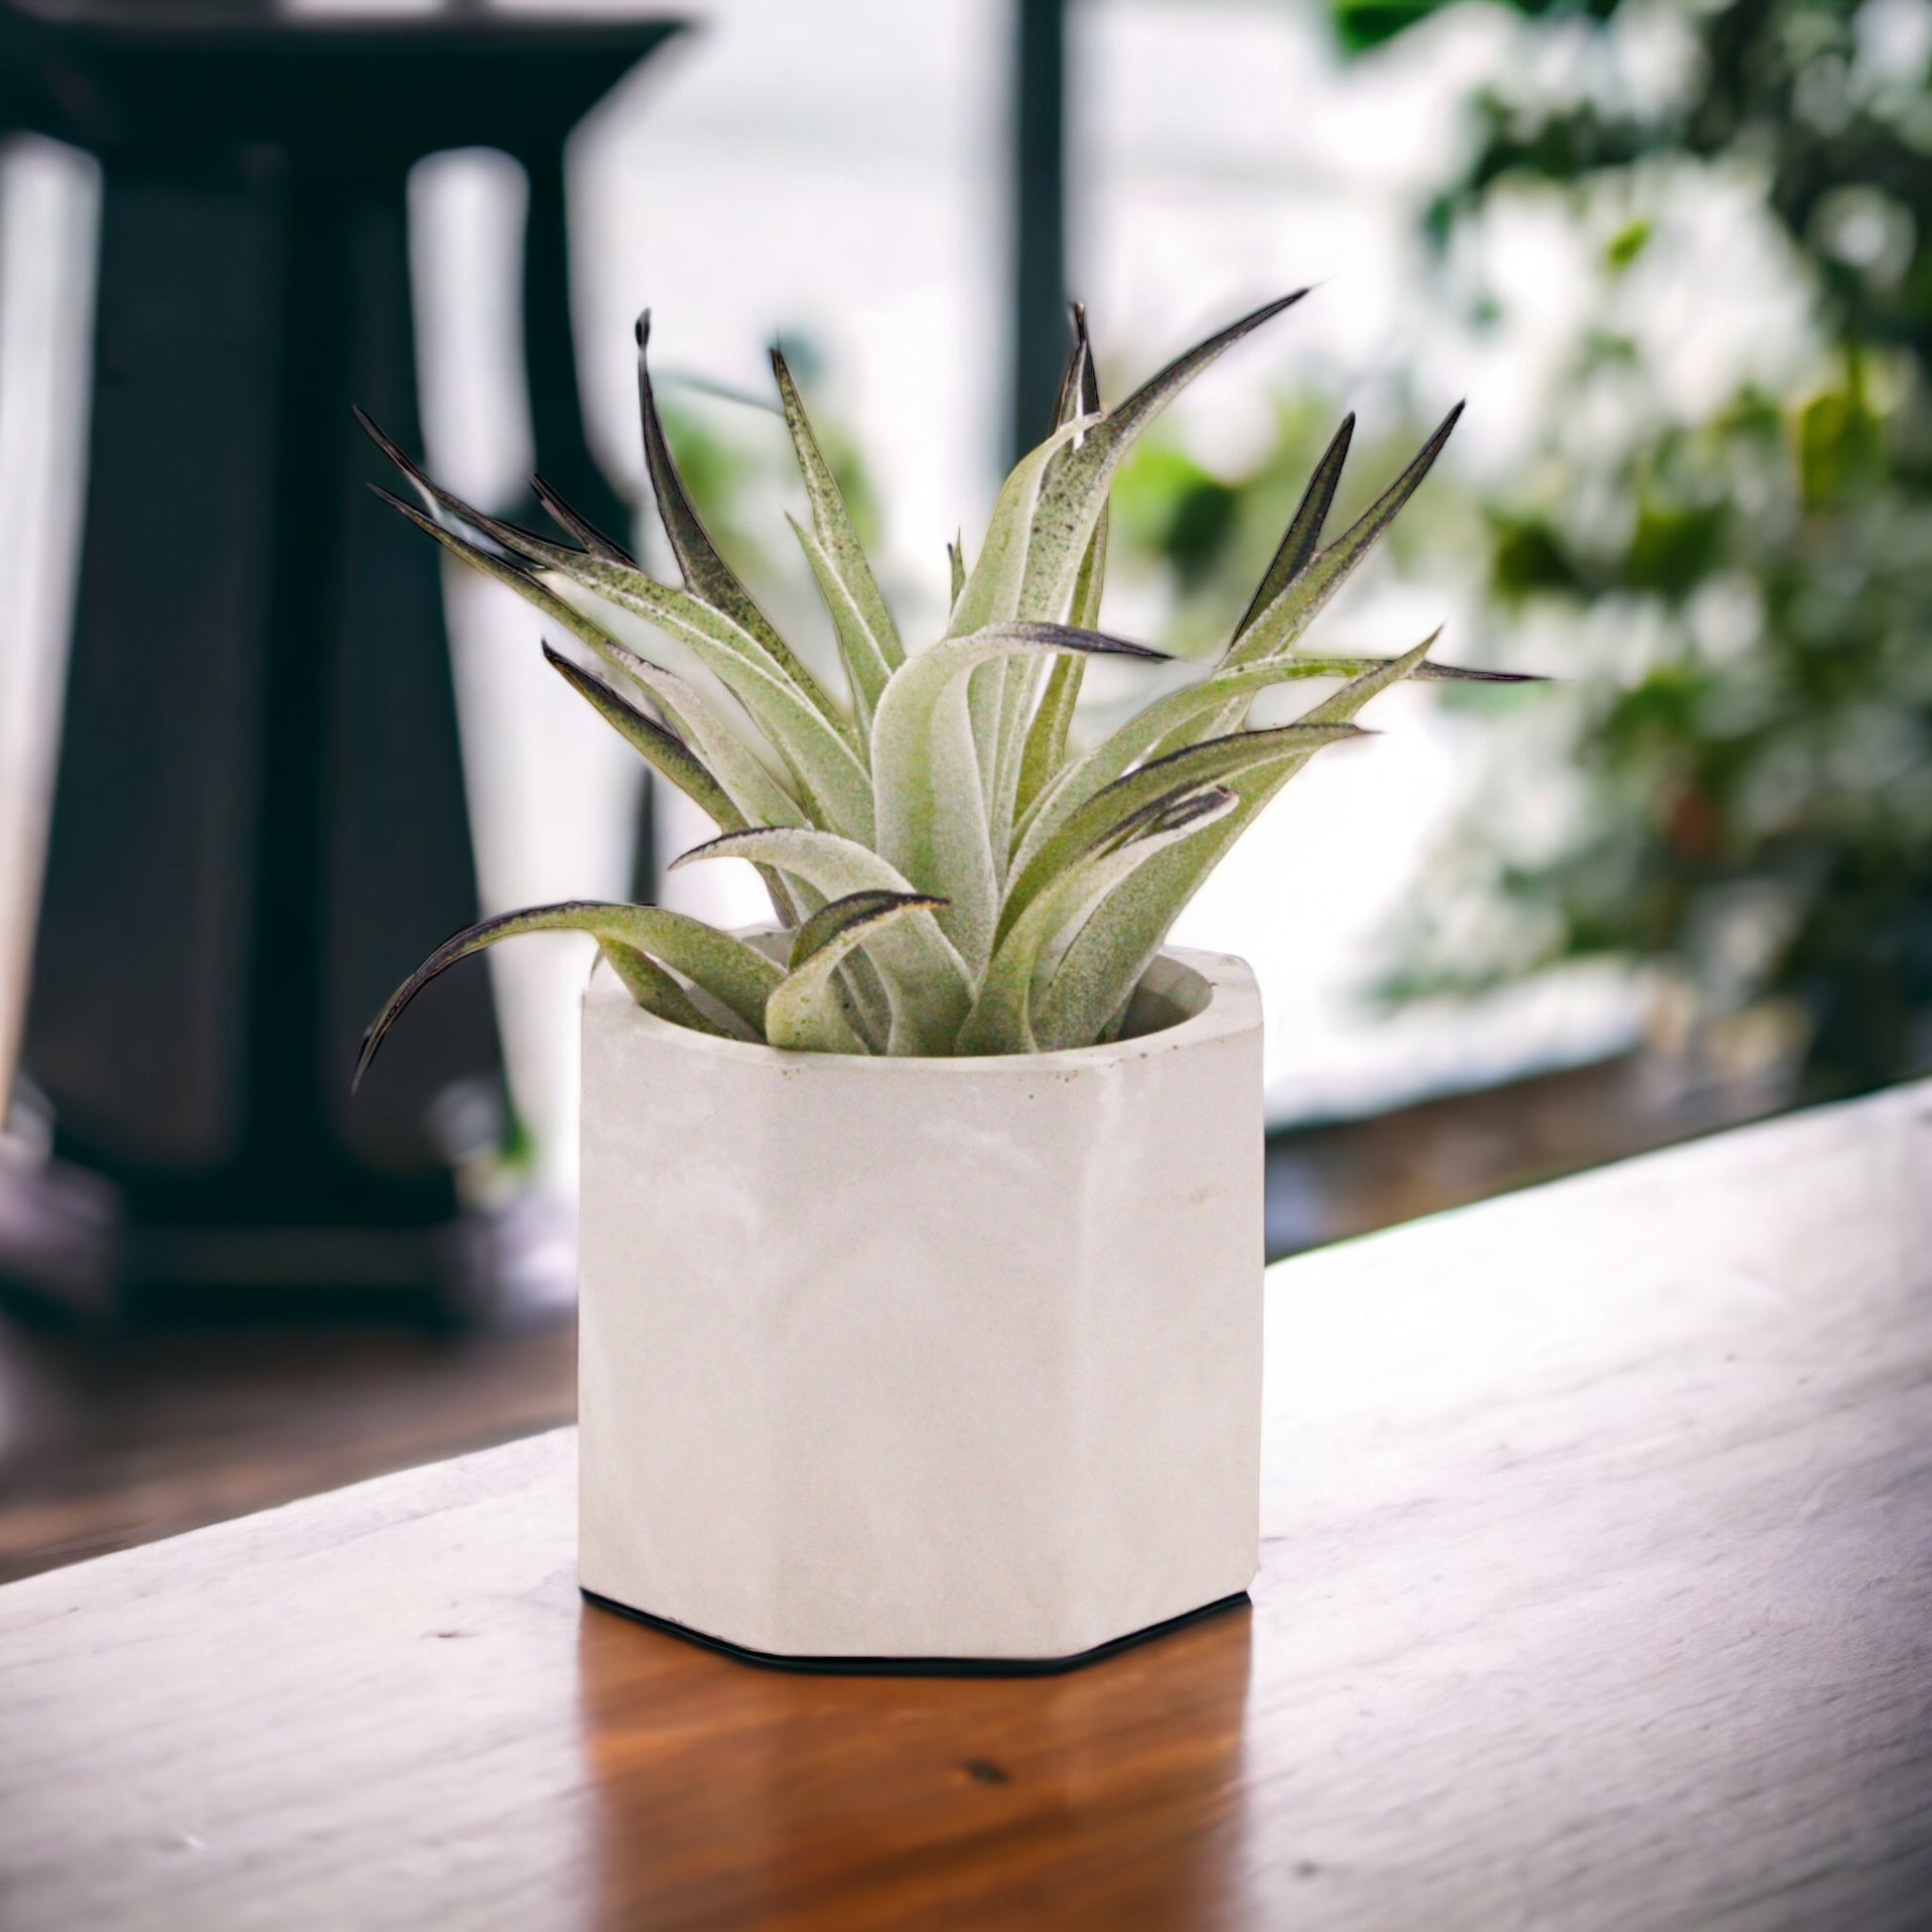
x=1039 y=291
x=259 y=819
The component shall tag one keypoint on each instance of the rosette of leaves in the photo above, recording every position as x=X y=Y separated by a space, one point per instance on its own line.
x=950 y=875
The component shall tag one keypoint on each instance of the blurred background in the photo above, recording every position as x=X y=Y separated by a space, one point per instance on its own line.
x=258 y=753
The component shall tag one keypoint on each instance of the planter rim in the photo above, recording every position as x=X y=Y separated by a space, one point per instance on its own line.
x=1230 y=1005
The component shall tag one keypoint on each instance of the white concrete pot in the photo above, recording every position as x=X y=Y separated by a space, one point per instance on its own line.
x=935 y=1360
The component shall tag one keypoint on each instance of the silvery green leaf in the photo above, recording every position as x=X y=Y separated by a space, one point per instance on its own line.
x=992 y=590
x=924 y=979
x=1144 y=735
x=866 y=671
x=673 y=759
x=956 y=567
x=706 y=574
x=1069 y=506
x=868 y=636
x=658 y=991
x=1061 y=531
x=739 y=770
x=1079 y=390
x=756 y=654
x=1343 y=704
x=822 y=758
x=1036 y=701
x=588 y=535
x=803 y=1012
x=660 y=747
x=931 y=812
x=738 y=976
x=1271 y=626
x=1104 y=964
x=1275 y=628
x=918 y=920
x=1172 y=722
x=506 y=570
x=1014 y=698
x=1302 y=537
x=1001 y=1019
x=1092 y=575
x=867 y=1007
x=758 y=796
x=1045 y=750
x=433 y=495
x=1222 y=760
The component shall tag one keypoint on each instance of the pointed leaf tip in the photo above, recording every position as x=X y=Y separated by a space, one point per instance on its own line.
x=640 y=328
x=852 y=913
x=388 y=444
x=551 y=501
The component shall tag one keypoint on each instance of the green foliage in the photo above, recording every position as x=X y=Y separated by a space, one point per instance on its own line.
x=949 y=875
x=1363 y=24
x=1748 y=591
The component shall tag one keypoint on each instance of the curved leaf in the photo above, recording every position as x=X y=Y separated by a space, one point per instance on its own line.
x=1069 y=507
x=802 y=1014
x=1001 y=1019
x=736 y=768
x=662 y=748
x=740 y=772
x=1275 y=628
x=675 y=760
x=582 y=528
x=1143 y=735
x=1169 y=724
x=1302 y=537
x=1061 y=529
x=1104 y=964
x=1221 y=760
x=1043 y=753
x=932 y=813
x=866 y=671
x=925 y=980
x=1079 y=393
x=658 y=991
x=705 y=573
x=869 y=639
x=990 y=594
x=738 y=976
x=506 y=570
x=1044 y=749
x=823 y=758
x=753 y=664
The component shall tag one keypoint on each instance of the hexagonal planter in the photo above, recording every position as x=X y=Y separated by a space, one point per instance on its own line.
x=907 y=1363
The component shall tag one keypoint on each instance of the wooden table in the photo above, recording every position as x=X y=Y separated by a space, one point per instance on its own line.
x=1598 y=1594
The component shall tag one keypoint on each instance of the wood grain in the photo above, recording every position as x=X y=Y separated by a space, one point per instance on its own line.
x=118 y=1437
x=1598 y=1592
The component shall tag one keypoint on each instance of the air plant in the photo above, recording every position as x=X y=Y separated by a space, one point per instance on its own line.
x=950 y=875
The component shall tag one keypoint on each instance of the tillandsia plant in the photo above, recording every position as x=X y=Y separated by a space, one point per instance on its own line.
x=950 y=875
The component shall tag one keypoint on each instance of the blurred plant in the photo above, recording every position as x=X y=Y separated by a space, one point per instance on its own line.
x=949 y=875
x=1748 y=589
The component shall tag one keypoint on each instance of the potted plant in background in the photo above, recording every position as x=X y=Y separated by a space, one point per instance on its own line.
x=921 y=1233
